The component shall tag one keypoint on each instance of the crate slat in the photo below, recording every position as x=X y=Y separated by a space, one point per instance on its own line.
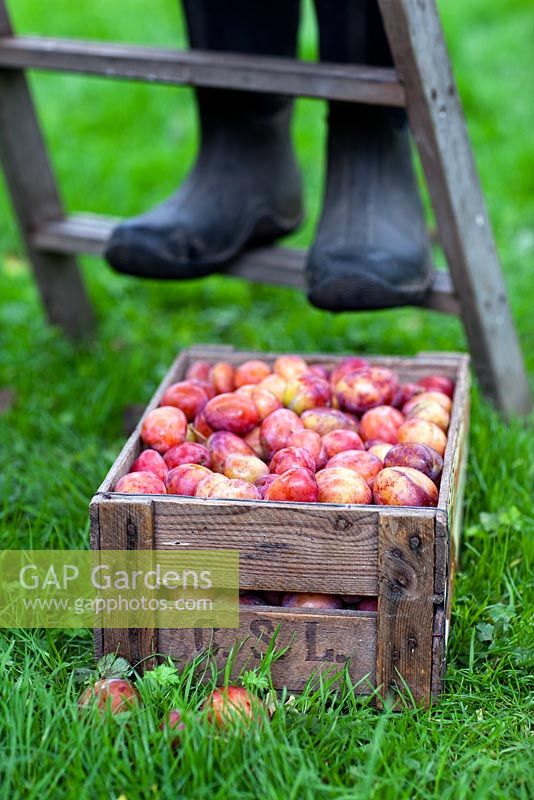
x=283 y=546
x=319 y=642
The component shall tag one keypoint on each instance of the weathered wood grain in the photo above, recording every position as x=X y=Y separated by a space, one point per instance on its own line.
x=405 y=605
x=88 y=233
x=129 y=526
x=344 y=82
x=318 y=642
x=36 y=201
x=458 y=425
x=289 y=547
x=439 y=652
x=450 y=503
x=448 y=536
x=94 y=541
x=437 y=122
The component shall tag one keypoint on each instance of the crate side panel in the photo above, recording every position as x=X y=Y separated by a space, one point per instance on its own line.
x=317 y=642
x=458 y=431
x=311 y=548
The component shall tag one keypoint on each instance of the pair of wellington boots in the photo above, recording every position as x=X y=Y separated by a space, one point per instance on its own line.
x=371 y=250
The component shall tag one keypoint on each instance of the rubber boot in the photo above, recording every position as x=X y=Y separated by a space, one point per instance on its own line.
x=371 y=249
x=245 y=187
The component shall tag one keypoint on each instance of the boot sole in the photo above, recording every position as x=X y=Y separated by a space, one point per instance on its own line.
x=265 y=228
x=366 y=292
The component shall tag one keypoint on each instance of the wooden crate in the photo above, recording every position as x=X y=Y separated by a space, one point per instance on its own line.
x=405 y=556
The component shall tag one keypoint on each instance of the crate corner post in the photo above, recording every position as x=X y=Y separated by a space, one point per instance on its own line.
x=405 y=604
x=126 y=525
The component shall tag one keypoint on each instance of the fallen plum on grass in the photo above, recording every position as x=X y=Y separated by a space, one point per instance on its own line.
x=115 y=695
x=228 y=705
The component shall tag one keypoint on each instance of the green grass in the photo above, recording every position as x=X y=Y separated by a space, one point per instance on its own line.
x=65 y=428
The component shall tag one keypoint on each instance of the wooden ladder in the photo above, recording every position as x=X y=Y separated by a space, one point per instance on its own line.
x=422 y=81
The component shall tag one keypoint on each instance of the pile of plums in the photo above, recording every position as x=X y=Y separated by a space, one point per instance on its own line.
x=296 y=432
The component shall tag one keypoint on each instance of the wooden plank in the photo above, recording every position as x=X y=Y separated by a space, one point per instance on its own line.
x=439 y=652
x=405 y=604
x=437 y=121
x=32 y=187
x=94 y=528
x=88 y=233
x=77 y=233
x=453 y=477
x=128 y=526
x=344 y=82
x=449 y=517
x=458 y=431
x=318 y=642
x=292 y=547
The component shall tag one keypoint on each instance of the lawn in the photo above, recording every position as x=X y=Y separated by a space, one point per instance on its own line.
x=66 y=425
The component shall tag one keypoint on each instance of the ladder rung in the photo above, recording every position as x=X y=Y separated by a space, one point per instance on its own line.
x=88 y=233
x=346 y=82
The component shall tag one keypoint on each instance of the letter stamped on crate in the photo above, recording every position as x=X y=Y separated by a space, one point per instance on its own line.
x=316 y=642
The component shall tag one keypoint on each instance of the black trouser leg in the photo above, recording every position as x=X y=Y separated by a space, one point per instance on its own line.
x=245 y=185
x=371 y=249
